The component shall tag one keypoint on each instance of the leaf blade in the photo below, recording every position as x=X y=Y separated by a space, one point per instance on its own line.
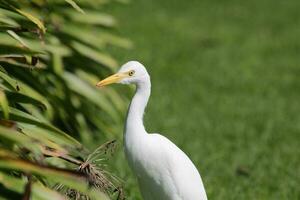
x=33 y=19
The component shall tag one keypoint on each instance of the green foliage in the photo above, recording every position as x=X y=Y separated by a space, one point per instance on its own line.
x=52 y=53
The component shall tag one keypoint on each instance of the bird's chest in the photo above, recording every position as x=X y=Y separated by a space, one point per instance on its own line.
x=149 y=167
x=142 y=158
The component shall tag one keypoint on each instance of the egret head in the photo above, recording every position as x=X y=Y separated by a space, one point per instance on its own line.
x=131 y=72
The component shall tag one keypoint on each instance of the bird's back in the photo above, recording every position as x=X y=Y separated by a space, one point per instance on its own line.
x=164 y=171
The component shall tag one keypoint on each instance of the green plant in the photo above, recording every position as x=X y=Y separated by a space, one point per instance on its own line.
x=51 y=55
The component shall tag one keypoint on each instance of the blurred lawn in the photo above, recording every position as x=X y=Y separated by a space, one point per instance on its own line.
x=225 y=89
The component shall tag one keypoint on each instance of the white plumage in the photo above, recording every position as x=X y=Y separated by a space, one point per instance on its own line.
x=163 y=171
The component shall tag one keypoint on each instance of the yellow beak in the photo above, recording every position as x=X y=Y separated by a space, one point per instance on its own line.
x=115 y=78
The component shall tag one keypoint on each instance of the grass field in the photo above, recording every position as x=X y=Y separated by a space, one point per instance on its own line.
x=225 y=89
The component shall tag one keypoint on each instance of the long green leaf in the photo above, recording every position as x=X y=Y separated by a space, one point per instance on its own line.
x=97 y=56
x=15 y=97
x=27 y=93
x=32 y=18
x=19 y=138
x=84 y=89
x=12 y=50
x=91 y=17
x=17 y=37
x=69 y=178
x=74 y=5
x=4 y=104
x=20 y=116
x=8 y=21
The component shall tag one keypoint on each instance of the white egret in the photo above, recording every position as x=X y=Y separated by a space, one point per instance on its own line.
x=163 y=171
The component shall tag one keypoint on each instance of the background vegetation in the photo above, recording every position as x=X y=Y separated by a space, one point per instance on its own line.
x=52 y=55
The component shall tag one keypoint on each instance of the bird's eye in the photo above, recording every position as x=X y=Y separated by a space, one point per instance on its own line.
x=131 y=73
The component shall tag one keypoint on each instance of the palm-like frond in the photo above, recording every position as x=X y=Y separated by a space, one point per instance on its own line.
x=50 y=54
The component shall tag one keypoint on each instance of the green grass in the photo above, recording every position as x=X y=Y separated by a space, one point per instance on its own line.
x=225 y=89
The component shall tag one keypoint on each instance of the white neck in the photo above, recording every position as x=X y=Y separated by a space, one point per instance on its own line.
x=134 y=122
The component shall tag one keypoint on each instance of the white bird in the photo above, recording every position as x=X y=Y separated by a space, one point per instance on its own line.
x=163 y=171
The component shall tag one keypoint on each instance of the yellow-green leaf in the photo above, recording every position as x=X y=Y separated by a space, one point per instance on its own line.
x=74 y=5
x=69 y=178
x=17 y=37
x=4 y=104
x=32 y=18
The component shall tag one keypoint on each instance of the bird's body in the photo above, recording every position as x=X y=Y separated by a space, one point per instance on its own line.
x=164 y=172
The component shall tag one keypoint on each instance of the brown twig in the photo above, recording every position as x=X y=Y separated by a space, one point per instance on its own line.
x=27 y=192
